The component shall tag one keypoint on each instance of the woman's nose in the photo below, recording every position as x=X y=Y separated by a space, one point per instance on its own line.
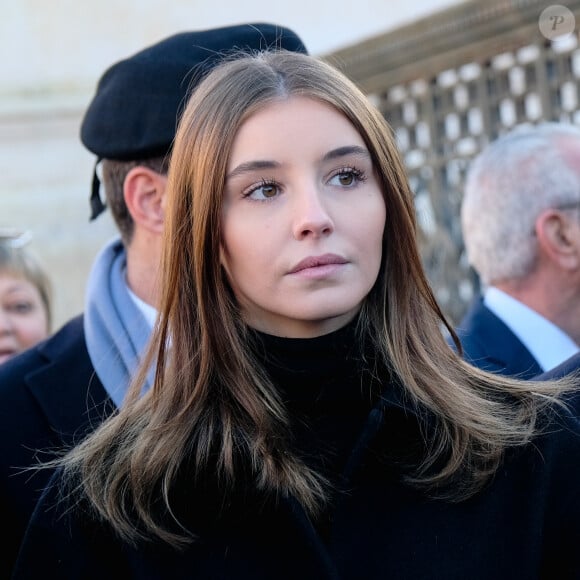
x=312 y=217
x=5 y=322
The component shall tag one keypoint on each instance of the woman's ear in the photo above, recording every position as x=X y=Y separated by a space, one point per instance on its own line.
x=558 y=233
x=144 y=191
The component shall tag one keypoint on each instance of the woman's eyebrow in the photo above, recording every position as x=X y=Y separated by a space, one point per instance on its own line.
x=252 y=166
x=346 y=150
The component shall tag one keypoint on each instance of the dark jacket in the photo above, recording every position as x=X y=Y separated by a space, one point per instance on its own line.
x=524 y=525
x=49 y=397
x=570 y=365
x=490 y=345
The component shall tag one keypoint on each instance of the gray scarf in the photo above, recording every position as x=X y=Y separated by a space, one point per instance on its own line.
x=116 y=331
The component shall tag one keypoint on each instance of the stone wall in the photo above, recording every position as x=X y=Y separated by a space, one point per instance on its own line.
x=45 y=189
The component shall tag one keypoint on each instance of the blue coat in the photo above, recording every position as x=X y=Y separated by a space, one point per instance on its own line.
x=49 y=397
x=490 y=345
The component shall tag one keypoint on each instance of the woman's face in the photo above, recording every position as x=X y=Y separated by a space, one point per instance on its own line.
x=23 y=317
x=303 y=219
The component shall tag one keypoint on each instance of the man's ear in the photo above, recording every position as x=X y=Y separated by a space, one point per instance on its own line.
x=558 y=235
x=144 y=190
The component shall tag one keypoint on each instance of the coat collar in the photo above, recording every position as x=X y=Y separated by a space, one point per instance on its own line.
x=66 y=386
x=490 y=344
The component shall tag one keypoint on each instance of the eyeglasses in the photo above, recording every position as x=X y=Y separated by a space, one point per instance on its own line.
x=569 y=205
x=13 y=238
x=563 y=207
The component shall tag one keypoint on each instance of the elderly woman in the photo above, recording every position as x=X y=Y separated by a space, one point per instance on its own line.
x=25 y=297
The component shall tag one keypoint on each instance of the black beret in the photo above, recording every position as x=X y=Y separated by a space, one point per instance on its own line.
x=133 y=113
x=135 y=110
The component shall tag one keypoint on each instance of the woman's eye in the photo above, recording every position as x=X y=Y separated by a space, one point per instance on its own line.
x=263 y=191
x=346 y=178
x=21 y=307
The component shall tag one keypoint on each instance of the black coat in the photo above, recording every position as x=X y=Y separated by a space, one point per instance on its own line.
x=525 y=525
x=49 y=397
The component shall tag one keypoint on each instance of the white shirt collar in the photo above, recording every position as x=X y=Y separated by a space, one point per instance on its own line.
x=147 y=310
x=548 y=343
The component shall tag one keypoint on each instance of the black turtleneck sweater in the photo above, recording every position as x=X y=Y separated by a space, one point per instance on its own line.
x=328 y=389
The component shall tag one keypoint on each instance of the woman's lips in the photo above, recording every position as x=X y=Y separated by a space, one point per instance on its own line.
x=6 y=354
x=319 y=266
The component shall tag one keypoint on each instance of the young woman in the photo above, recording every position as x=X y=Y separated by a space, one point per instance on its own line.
x=307 y=418
x=25 y=297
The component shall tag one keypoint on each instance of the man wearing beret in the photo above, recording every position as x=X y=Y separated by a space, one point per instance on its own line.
x=54 y=394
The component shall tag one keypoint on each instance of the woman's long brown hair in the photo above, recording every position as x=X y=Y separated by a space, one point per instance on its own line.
x=211 y=404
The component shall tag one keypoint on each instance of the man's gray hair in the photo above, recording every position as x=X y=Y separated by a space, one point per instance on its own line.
x=507 y=186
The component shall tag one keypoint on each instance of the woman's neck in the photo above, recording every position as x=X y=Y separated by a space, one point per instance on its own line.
x=284 y=327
